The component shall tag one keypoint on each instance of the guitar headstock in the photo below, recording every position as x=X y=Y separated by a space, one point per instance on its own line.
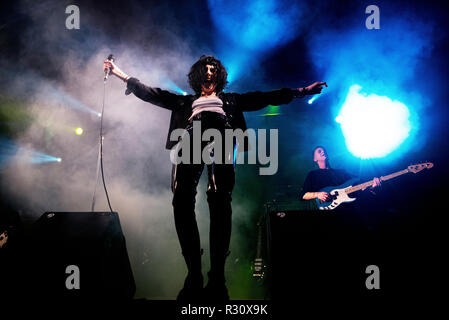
x=415 y=168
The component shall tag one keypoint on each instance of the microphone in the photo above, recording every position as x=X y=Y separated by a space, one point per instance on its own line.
x=107 y=71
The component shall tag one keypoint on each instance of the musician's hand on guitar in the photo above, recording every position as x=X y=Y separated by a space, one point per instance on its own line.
x=323 y=196
x=376 y=183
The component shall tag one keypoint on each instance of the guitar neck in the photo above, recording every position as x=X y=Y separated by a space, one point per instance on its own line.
x=370 y=183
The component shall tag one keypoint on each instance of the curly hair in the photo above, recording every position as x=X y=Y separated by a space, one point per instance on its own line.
x=197 y=74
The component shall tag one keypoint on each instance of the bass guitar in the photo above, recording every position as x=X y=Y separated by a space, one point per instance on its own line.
x=340 y=194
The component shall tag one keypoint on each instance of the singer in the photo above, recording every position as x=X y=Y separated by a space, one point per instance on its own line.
x=219 y=110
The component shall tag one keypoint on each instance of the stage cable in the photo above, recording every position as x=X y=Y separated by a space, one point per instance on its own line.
x=100 y=157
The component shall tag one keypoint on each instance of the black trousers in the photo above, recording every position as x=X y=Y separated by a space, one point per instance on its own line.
x=221 y=179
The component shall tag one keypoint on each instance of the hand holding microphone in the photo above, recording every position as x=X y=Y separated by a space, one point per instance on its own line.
x=109 y=67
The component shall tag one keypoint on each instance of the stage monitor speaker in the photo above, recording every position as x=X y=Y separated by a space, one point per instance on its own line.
x=324 y=255
x=314 y=254
x=79 y=255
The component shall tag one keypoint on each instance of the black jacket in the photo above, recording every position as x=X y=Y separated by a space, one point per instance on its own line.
x=234 y=104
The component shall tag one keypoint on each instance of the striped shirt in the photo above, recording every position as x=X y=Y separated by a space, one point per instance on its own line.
x=211 y=104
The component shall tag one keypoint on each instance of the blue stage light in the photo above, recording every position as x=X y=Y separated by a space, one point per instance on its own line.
x=69 y=101
x=10 y=150
x=373 y=125
x=311 y=100
x=37 y=158
x=173 y=87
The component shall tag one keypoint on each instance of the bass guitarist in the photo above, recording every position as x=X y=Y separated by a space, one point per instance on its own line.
x=325 y=176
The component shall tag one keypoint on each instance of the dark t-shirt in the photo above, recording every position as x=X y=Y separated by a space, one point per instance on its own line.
x=321 y=178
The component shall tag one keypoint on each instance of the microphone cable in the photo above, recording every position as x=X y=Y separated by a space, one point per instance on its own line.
x=100 y=157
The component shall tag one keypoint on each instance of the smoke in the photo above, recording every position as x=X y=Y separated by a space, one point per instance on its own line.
x=382 y=62
x=54 y=76
x=137 y=167
x=60 y=86
x=249 y=30
x=386 y=57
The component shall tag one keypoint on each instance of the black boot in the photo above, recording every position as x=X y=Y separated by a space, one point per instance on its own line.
x=193 y=284
x=216 y=290
x=192 y=290
x=219 y=239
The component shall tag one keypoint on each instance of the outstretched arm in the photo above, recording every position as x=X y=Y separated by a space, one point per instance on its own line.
x=156 y=96
x=314 y=88
x=257 y=100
